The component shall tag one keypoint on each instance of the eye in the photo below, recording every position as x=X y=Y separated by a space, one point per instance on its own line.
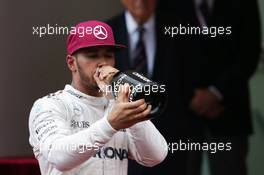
x=109 y=55
x=91 y=55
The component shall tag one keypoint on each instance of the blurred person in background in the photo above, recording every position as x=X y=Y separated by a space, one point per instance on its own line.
x=216 y=69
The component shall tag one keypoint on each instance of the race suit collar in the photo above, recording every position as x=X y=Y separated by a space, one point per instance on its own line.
x=95 y=101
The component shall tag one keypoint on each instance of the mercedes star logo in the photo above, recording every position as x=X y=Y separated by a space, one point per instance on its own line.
x=100 y=32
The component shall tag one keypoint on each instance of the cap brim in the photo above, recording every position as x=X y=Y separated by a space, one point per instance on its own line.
x=120 y=46
x=117 y=47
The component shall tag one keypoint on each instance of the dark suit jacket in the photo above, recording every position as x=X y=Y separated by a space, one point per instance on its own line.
x=226 y=62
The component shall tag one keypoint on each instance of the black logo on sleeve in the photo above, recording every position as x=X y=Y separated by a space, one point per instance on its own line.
x=112 y=153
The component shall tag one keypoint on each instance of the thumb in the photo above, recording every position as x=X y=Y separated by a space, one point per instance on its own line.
x=123 y=94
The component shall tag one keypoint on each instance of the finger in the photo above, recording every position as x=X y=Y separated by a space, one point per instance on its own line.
x=96 y=74
x=101 y=74
x=146 y=112
x=137 y=110
x=101 y=84
x=105 y=71
x=135 y=107
x=126 y=89
x=143 y=115
x=141 y=108
x=97 y=71
x=134 y=104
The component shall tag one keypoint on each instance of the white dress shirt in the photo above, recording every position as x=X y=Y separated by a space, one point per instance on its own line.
x=149 y=38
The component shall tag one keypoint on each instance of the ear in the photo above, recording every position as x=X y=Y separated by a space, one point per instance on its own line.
x=71 y=62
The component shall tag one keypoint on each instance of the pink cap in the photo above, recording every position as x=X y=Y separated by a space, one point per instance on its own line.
x=89 y=34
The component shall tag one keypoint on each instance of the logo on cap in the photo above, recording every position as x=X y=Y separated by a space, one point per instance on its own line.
x=100 y=32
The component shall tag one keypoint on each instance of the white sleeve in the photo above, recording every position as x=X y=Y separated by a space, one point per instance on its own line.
x=50 y=135
x=146 y=145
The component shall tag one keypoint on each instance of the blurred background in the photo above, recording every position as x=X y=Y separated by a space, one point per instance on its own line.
x=32 y=67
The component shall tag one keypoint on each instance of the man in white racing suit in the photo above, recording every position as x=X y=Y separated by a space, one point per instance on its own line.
x=78 y=130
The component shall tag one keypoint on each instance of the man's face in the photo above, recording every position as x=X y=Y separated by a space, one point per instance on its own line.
x=140 y=9
x=88 y=60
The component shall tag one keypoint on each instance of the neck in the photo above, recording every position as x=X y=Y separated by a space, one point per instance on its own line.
x=140 y=21
x=86 y=89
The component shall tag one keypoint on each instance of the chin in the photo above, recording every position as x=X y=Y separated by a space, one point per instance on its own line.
x=93 y=86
